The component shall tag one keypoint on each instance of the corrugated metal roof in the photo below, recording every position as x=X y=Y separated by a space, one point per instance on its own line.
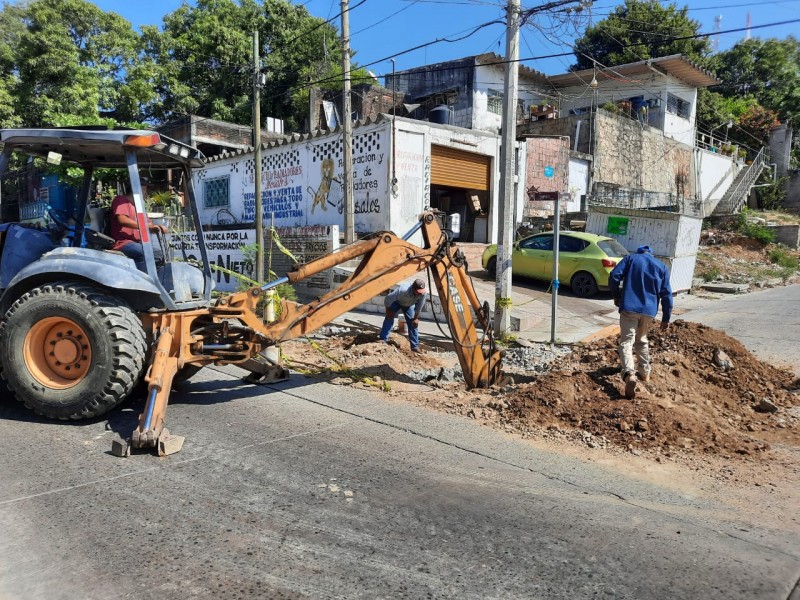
x=676 y=65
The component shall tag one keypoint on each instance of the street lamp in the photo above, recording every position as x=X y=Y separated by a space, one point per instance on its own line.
x=728 y=124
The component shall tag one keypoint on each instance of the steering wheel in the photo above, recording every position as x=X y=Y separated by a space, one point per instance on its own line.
x=60 y=217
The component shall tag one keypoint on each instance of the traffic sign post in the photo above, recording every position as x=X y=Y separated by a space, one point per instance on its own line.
x=554 y=197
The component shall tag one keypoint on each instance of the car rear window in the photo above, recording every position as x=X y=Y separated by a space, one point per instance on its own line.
x=612 y=247
x=567 y=243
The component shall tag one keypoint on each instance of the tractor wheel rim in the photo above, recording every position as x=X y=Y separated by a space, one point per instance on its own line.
x=57 y=352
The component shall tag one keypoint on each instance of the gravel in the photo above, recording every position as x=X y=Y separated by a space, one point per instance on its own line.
x=535 y=358
x=532 y=359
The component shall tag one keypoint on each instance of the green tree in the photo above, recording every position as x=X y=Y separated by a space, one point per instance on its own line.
x=638 y=30
x=205 y=59
x=767 y=71
x=75 y=64
x=11 y=29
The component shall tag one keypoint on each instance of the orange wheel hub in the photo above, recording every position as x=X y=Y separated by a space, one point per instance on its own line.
x=57 y=352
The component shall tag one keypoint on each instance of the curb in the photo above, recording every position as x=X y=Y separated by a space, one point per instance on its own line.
x=605 y=332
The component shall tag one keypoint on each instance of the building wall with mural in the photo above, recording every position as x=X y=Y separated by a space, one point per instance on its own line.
x=302 y=179
x=301 y=183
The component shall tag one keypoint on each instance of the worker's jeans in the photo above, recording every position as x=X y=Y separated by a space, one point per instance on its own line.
x=633 y=329
x=388 y=323
x=135 y=252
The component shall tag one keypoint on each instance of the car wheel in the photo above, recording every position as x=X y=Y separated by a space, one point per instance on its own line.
x=583 y=284
x=491 y=266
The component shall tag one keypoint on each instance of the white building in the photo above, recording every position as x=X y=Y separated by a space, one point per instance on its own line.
x=400 y=169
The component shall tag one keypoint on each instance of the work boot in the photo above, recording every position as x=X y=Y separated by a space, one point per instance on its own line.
x=417 y=350
x=643 y=377
x=630 y=386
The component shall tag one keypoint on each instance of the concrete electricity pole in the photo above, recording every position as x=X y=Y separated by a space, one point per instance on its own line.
x=502 y=314
x=261 y=248
x=347 y=135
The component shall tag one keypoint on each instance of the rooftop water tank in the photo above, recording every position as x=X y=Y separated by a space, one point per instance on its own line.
x=440 y=115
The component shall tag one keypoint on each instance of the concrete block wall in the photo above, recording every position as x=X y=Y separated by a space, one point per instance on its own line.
x=788 y=235
x=375 y=304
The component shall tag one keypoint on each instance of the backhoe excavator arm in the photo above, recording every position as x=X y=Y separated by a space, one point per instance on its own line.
x=231 y=332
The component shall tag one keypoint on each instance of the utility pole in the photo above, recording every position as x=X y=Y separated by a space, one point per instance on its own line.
x=502 y=311
x=347 y=134
x=260 y=247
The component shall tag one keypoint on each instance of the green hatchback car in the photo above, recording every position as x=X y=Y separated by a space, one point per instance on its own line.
x=585 y=259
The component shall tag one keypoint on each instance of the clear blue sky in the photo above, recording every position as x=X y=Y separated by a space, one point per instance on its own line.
x=381 y=28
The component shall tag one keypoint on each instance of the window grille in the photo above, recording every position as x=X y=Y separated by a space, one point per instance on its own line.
x=216 y=192
x=678 y=106
x=495 y=101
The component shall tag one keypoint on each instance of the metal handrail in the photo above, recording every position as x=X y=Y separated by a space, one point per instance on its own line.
x=753 y=171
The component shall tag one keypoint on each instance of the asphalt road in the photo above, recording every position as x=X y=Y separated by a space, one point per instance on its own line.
x=767 y=322
x=310 y=490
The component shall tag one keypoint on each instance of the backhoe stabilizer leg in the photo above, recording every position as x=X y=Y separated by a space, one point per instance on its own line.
x=265 y=367
x=150 y=433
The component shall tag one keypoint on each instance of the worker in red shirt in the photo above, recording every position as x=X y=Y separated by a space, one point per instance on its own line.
x=125 y=231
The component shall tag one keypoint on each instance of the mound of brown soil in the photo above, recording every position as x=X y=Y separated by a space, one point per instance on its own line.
x=690 y=403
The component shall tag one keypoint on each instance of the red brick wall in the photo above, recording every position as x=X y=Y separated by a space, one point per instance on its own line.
x=541 y=153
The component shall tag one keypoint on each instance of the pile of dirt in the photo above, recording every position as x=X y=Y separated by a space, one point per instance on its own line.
x=707 y=395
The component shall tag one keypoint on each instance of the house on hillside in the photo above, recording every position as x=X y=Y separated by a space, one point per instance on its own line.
x=212 y=136
x=638 y=123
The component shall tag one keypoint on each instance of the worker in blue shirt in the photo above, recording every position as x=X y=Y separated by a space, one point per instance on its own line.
x=409 y=300
x=637 y=284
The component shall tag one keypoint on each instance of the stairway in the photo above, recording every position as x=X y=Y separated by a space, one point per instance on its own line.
x=739 y=190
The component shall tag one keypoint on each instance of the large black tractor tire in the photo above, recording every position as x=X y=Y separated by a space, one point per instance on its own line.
x=71 y=351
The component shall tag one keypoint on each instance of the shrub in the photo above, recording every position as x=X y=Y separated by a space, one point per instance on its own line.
x=773 y=196
x=781 y=256
x=712 y=274
x=759 y=232
x=762 y=233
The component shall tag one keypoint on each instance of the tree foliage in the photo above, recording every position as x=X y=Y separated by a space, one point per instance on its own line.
x=767 y=71
x=206 y=54
x=75 y=63
x=638 y=30
x=66 y=62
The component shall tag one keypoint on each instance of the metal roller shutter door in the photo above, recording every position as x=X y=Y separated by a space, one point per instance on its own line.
x=459 y=169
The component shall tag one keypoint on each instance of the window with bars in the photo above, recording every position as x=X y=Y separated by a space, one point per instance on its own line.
x=494 y=101
x=216 y=192
x=678 y=106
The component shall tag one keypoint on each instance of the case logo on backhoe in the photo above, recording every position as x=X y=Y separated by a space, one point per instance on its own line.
x=455 y=298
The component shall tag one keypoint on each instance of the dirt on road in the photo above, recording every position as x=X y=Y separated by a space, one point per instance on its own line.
x=708 y=396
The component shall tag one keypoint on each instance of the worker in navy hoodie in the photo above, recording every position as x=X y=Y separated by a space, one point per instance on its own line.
x=409 y=300
x=637 y=284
